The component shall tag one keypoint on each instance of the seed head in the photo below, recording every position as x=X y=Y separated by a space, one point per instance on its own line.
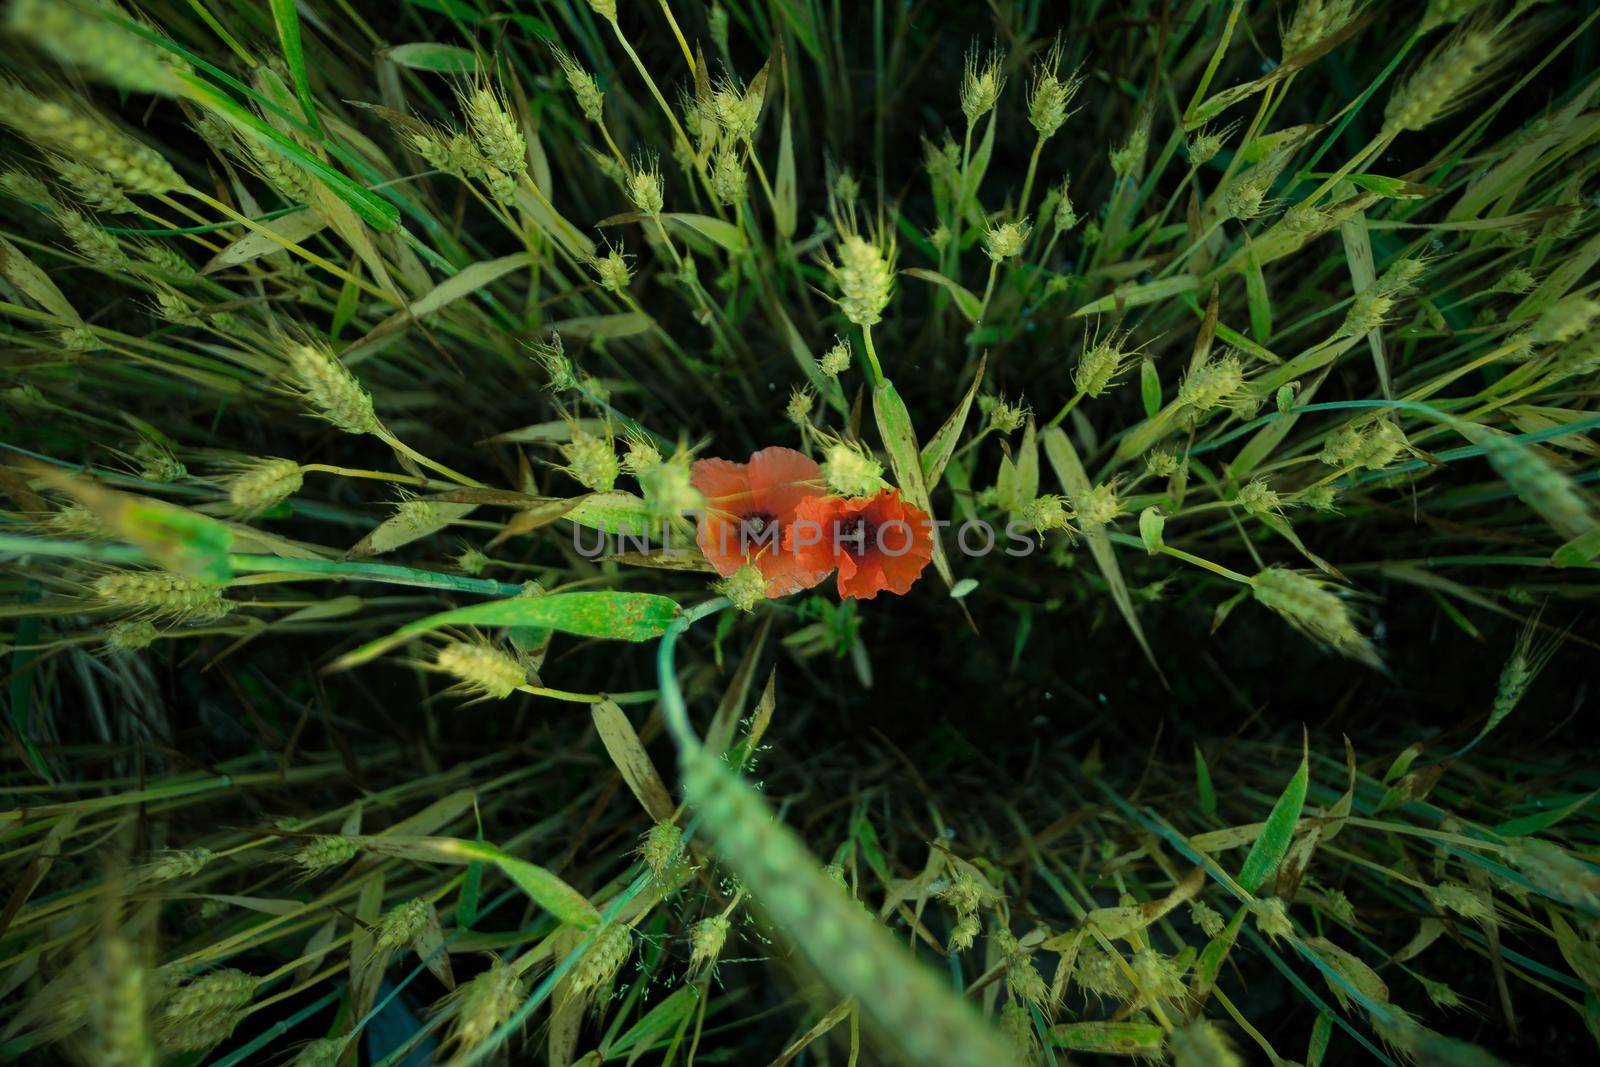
x=91 y=42
x=325 y=851
x=1065 y=217
x=472 y=561
x=327 y=386
x=1050 y=97
x=591 y=101
x=1017 y=1026
x=1212 y=384
x=171 y=307
x=1204 y=146
x=603 y=959
x=479 y=1007
x=1006 y=240
x=1517 y=280
x=644 y=186
x=496 y=132
x=668 y=486
x=745 y=587
x=1245 y=197
x=1321 y=498
x=1157 y=976
x=591 y=460
x=94 y=187
x=402 y=924
x=706 y=939
x=1555 y=873
x=1402 y=275
x=798 y=409
x=202 y=1013
x=1312 y=607
x=943 y=162
x=1441 y=994
x=846 y=191
x=1101 y=974
x=1338 y=906
x=727 y=175
x=87 y=137
x=129 y=635
x=1004 y=416
x=1563 y=321
x=1206 y=917
x=642 y=453
x=1272 y=917
x=448 y=151
x=737 y=112
x=1203 y=1044
x=1045 y=513
x=1022 y=977
x=91 y=242
x=552 y=358
x=1305 y=219
x=153 y=595
x=612 y=270
x=981 y=83
x=263 y=484
x=481 y=669
x=1128 y=158
x=1314 y=21
x=1259 y=498
x=700 y=122
x=168 y=263
x=850 y=470
x=170 y=866
x=1161 y=463
x=606 y=9
x=20 y=185
x=78 y=523
x=1101 y=364
x=864 y=272
x=663 y=844
x=1440 y=84
x=1373 y=447
x=1463 y=900
x=323 y=1052
x=1098 y=507
x=836 y=360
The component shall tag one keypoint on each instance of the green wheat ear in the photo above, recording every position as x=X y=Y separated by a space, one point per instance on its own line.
x=855 y=954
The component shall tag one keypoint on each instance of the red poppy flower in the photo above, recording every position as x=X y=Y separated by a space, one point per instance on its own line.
x=877 y=542
x=748 y=508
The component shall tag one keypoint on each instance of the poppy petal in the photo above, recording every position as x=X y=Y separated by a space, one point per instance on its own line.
x=781 y=478
x=720 y=481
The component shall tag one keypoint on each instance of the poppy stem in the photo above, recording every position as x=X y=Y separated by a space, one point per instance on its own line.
x=872 y=357
x=673 y=708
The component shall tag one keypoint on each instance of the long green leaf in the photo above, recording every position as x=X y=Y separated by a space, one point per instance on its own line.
x=373 y=209
x=894 y=425
x=1274 y=841
x=937 y=452
x=546 y=889
x=610 y=615
x=288 y=22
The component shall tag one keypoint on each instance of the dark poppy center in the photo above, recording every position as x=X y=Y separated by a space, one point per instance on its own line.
x=757 y=529
x=856 y=537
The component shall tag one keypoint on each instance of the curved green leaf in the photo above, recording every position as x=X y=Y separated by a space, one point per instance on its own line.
x=1275 y=836
x=441 y=58
x=608 y=615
